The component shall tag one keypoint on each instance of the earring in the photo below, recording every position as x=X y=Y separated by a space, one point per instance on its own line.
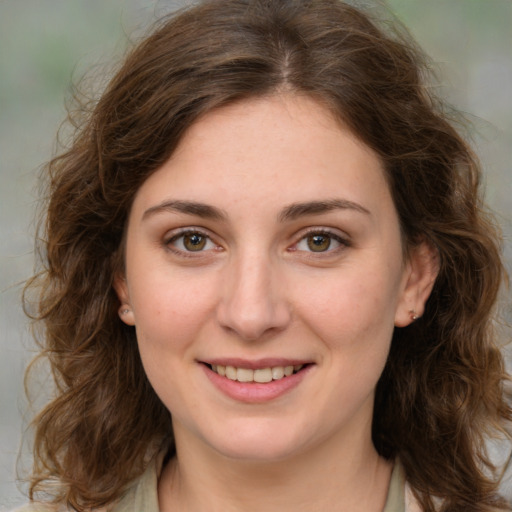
x=414 y=316
x=124 y=310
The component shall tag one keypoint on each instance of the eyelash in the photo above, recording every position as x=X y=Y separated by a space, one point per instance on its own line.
x=343 y=242
x=168 y=243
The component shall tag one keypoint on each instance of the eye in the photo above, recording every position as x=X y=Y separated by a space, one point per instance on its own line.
x=191 y=241
x=320 y=241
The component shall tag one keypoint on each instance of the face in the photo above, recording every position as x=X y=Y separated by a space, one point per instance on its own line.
x=264 y=277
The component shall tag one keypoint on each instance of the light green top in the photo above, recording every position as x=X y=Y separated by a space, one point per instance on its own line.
x=142 y=496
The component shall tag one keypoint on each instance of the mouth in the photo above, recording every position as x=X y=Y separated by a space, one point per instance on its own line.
x=258 y=375
x=256 y=381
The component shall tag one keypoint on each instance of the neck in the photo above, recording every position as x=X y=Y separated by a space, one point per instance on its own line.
x=333 y=476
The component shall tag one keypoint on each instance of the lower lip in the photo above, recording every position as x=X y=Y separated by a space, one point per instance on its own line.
x=254 y=392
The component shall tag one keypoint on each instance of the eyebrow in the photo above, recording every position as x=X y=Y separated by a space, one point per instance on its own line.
x=202 y=210
x=297 y=210
x=291 y=212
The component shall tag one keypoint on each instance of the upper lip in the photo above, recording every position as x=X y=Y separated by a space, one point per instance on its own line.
x=254 y=364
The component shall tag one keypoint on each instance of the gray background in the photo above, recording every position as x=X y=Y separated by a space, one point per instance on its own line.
x=44 y=45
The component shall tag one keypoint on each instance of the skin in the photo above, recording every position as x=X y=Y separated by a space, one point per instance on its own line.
x=260 y=288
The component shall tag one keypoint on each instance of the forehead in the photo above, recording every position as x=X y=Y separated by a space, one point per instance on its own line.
x=268 y=151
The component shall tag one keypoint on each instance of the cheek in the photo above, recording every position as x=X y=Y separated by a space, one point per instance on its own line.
x=171 y=312
x=170 y=307
x=352 y=311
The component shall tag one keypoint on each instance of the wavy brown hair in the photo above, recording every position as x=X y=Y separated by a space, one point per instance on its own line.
x=442 y=391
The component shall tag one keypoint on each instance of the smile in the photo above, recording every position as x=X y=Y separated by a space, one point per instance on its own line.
x=260 y=375
x=256 y=381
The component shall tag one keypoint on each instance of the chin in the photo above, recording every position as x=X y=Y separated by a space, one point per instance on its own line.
x=257 y=451
x=260 y=442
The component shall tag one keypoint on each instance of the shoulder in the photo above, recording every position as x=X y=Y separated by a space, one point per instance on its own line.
x=36 y=507
x=141 y=495
x=44 y=507
x=411 y=503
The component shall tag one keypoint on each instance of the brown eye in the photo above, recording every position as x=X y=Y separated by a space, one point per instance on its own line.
x=194 y=242
x=319 y=242
x=191 y=241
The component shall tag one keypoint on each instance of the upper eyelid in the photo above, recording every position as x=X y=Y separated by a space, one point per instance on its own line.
x=340 y=237
x=334 y=232
x=169 y=243
x=176 y=233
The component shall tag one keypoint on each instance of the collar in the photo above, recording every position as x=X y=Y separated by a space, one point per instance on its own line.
x=143 y=494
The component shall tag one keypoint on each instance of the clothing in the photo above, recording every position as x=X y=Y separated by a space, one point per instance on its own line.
x=143 y=496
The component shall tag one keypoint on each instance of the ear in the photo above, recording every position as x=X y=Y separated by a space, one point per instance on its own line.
x=421 y=271
x=125 y=310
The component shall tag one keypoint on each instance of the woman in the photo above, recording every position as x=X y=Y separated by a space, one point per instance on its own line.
x=269 y=278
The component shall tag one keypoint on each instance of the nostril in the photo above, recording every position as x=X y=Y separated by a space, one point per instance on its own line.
x=251 y=303
x=255 y=323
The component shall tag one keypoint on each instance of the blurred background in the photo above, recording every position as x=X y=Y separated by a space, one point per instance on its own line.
x=45 y=46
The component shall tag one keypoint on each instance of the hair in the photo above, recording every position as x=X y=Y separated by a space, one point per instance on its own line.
x=442 y=390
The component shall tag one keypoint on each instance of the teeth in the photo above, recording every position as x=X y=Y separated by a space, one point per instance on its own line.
x=277 y=372
x=261 y=375
x=244 y=375
x=230 y=372
x=264 y=375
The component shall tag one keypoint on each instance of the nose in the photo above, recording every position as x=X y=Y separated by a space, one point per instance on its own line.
x=253 y=303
